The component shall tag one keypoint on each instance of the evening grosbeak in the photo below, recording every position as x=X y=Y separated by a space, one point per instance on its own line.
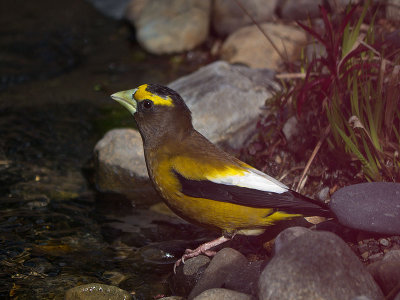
x=201 y=183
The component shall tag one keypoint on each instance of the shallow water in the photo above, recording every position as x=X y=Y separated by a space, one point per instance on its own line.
x=60 y=61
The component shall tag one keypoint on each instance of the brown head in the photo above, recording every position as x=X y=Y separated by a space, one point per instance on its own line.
x=159 y=112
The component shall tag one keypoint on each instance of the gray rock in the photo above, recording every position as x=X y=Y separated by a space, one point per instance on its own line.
x=218 y=96
x=386 y=272
x=286 y=236
x=375 y=257
x=304 y=9
x=111 y=8
x=225 y=98
x=373 y=207
x=96 y=291
x=249 y=46
x=188 y=274
x=393 y=10
x=120 y=166
x=226 y=261
x=299 y=9
x=222 y=294
x=316 y=265
x=384 y=242
x=290 y=128
x=323 y=194
x=315 y=50
x=227 y=16
x=170 y=26
x=246 y=279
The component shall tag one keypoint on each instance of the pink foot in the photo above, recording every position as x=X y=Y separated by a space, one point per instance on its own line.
x=202 y=249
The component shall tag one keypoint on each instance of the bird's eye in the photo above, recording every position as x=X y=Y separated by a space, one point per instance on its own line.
x=147 y=104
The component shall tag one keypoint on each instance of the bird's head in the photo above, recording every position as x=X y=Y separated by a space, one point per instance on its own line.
x=159 y=111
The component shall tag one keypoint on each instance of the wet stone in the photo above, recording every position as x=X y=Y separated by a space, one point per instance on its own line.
x=373 y=207
x=218 y=294
x=96 y=291
x=39 y=265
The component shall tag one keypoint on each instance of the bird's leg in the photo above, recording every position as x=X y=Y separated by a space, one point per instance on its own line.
x=202 y=249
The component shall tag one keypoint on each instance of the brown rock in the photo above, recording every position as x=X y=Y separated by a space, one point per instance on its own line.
x=250 y=47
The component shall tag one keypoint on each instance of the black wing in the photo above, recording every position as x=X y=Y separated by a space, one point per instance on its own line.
x=289 y=202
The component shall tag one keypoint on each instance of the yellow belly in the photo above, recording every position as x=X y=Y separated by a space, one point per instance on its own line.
x=223 y=215
x=209 y=213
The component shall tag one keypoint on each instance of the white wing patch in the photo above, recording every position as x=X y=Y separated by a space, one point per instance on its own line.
x=253 y=179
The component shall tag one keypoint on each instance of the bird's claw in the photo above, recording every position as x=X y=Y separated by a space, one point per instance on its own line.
x=182 y=259
x=202 y=249
x=177 y=263
x=189 y=253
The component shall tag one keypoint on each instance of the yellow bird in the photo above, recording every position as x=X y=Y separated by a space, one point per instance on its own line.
x=201 y=183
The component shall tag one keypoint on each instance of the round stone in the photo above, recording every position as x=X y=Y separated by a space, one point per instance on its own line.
x=373 y=207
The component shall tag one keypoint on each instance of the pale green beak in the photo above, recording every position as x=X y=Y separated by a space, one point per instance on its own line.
x=125 y=98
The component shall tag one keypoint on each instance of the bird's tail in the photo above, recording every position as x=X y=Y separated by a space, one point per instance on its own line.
x=310 y=207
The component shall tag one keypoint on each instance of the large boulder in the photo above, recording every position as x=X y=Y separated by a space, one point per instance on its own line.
x=225 y=99
x=316 y=265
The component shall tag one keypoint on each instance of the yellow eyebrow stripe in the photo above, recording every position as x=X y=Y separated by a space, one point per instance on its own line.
x=142 y=94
